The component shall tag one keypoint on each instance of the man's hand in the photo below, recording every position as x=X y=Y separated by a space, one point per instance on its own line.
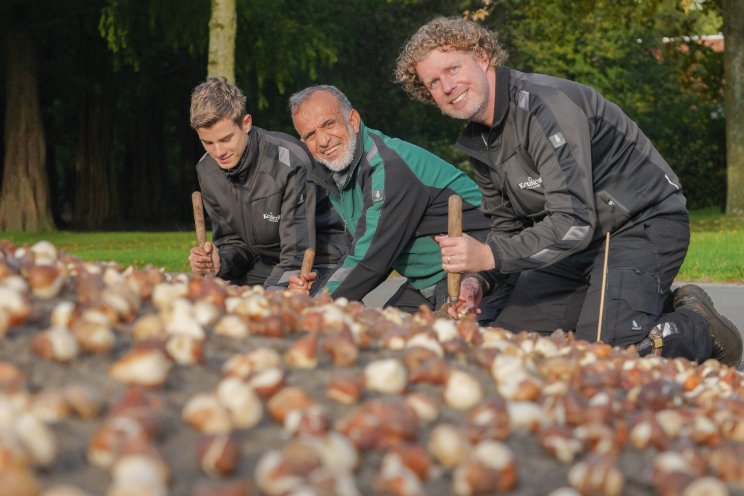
x=471 y=295
x=204 y=261
x=302 y=284
x=465 y=254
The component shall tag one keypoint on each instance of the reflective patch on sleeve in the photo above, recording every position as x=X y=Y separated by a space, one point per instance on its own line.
x=340 y=274
x=545 y=255
x=557 y=140
x=576 y=233
x=372 y=152
x=670 y=182
x=523 y=100
x=284 y=155
x=286 y=275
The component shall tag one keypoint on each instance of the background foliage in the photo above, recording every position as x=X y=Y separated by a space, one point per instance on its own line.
x=119 y=73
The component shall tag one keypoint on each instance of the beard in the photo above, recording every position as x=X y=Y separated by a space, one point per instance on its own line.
x=347 y=153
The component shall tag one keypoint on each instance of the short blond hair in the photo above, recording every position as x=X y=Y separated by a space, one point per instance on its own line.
x=215 y=99
x=444 y=32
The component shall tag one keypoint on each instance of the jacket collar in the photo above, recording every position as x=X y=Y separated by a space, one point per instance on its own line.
x=325 y=177
x=343 y=177
x=476 y=136
x=239 y=173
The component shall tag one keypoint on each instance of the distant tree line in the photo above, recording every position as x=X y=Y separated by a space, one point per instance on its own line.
x=95 y=108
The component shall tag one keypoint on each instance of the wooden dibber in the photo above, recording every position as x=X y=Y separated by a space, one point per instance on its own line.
x=454 y=229
x=307 y=262
x=199 y=226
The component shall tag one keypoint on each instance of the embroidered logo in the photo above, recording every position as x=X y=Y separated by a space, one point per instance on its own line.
x=557 y=140
x=271 y=217
x=531 y=183
x=378 y=195
x=636 y=326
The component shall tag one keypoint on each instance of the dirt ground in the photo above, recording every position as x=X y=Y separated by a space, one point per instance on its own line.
x=538 y=472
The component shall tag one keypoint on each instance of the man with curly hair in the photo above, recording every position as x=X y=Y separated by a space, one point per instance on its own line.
x=562 y=171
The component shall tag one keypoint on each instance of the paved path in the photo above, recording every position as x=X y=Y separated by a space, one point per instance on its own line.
x=728 y=299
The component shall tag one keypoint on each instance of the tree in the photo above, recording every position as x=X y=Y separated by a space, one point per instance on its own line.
x=222 y=28
x=733 y=31
x=96 y=197
x=24 y=197
x=156 y=46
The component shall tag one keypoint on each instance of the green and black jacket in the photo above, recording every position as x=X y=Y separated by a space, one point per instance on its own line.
x=393 y=199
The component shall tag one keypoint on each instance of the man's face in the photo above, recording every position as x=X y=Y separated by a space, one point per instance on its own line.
x=225 y=141
x=328 y=133
x=458 y=83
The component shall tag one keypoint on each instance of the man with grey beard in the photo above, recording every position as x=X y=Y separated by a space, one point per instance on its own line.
x=393 y=198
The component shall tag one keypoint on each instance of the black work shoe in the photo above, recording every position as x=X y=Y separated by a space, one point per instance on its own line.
x=727 y=342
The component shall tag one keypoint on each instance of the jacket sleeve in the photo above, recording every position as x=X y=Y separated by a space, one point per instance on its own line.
x=558 y=141
x=393 y=209
x=236 y=257
x=293 y=230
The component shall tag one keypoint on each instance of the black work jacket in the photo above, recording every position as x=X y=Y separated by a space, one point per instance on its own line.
x=265 y=208
x=559 y=168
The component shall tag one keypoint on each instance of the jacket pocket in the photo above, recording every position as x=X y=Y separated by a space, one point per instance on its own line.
x=635 y=302
x=611 y=214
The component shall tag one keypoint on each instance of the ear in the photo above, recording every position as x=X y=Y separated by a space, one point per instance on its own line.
x=482 y=59
x=247 y=123
x=355 y=120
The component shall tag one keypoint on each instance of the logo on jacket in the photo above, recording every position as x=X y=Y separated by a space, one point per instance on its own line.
x=378 y=195
x=557 y=140
x=531 y=183
x=271 y=217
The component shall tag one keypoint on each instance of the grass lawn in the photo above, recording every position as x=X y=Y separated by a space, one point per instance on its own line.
x=160 y=249
x=716 y=252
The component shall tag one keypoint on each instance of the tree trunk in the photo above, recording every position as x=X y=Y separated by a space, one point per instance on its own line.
x=24 y=197
x=733 y=62
x=222 y=29
x=144 y=167
x=94 y=203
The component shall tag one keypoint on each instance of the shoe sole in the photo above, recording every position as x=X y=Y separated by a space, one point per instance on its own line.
x=727 y=324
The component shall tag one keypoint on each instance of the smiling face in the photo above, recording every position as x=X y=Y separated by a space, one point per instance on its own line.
x=328 y=133
x=461 y=84
x=225 y=141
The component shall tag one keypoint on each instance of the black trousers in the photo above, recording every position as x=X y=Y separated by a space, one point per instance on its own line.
x=643 y=261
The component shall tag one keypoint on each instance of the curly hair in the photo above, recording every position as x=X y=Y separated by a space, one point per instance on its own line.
x=215 y=99
x=448 y=33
